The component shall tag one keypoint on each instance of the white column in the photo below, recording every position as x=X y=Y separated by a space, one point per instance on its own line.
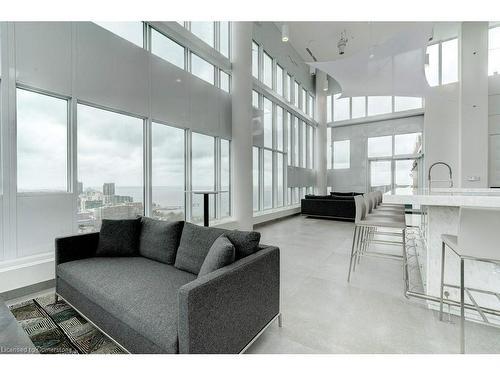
x=473 y=106
x=320 y=146
x=242 y=124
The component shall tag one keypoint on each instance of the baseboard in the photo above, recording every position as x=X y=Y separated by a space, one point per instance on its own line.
x=24 y=272
x=270 y=215
x=27 y=290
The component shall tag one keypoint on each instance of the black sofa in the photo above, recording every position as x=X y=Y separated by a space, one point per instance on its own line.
x=337 y=205
x=152 y=303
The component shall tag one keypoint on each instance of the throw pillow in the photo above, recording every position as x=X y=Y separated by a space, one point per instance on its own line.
x=159 y=240
x=119 y=238
x=221 y=254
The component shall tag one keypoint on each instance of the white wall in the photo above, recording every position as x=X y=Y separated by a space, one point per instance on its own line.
x=456 y=115
x=474 y=105
x=84 y=62
x=356 y=177
x=96 y=66
x=441 y=131
x=494 y=130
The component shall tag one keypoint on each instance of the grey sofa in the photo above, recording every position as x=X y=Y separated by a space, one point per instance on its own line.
x=151 y=307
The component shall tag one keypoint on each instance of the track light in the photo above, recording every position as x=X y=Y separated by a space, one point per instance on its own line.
x=325 y=84
x=284 y=33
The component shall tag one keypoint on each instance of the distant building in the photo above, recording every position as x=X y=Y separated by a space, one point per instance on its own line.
x=117 y=199
x=90 y=204
x=79 y=187
x=108 y=188
x=126 y=211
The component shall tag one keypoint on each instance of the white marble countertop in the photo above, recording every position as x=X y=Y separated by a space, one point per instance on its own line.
x=451 y=197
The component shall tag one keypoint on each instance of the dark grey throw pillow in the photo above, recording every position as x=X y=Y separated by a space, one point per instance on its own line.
x=221 y=254
x=119 y=238
x=245 y=243
x=159 y=239
x=196 y=242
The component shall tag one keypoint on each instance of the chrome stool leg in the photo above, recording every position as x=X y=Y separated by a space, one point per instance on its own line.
x=462 y=307
x=405 y=265
x=359 y=247
x=354 y=236
x=443 y=249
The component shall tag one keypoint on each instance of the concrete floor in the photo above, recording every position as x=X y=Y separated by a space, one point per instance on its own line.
x=322 y=313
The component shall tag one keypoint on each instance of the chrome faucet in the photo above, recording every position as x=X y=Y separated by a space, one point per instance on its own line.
x=449 y=169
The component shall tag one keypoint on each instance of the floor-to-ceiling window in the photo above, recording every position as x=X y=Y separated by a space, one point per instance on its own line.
x=287 y=131
x=358 y=107
x=494 y=51
x=110 y=166
x=203 y=174
x=225 y=179
x=202 y=69
x=204 y=30
x=131 y=31
x=268 y=179
x=392 y=161
x=268 y=123
x=42 y=123
x=256 y=177
x=441 y=67
x=279 y=179
x=168 y=172
x=167 y=49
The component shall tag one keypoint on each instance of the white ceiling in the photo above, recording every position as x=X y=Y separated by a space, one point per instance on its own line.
x=322 y=37
x=398 y=49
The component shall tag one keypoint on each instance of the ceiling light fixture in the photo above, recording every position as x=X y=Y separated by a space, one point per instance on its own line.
x=342 y=42
x=372 y=54
x=284 y=33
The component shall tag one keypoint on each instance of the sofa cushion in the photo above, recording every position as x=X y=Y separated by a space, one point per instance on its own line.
x=194 y=246
x=140 y=292
x=343 y=197
x=119 y=237
x=221 y=254
x=196 y=242
x=245 y=242
x=346 y=194
x=159 y=239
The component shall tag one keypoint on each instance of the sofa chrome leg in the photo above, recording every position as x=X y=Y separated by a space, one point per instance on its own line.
x=280 y=320
x=56 y=299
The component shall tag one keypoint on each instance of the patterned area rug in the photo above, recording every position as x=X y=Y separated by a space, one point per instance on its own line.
x=57 y=328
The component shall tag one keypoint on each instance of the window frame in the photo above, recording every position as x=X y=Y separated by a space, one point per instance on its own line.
x=185 y=50
x=214 y=74
x=70 y=186
x=336 y=167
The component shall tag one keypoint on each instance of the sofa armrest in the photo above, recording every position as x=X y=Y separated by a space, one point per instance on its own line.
x=76 y=247
x=223 y=311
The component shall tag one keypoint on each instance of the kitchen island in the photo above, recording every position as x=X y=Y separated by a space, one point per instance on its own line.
x=439 y=215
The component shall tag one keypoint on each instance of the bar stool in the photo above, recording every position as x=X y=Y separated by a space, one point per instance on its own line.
x=373 y=208
x=364 y=227
x=379 y=199
x=477 y=240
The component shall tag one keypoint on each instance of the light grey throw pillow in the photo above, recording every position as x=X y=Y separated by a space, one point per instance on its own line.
x=221 y=254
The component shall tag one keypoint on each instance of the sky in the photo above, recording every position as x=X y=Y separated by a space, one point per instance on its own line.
x=41 y=142
x=110 y=148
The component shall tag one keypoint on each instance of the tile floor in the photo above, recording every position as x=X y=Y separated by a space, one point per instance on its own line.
x=322 y=313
